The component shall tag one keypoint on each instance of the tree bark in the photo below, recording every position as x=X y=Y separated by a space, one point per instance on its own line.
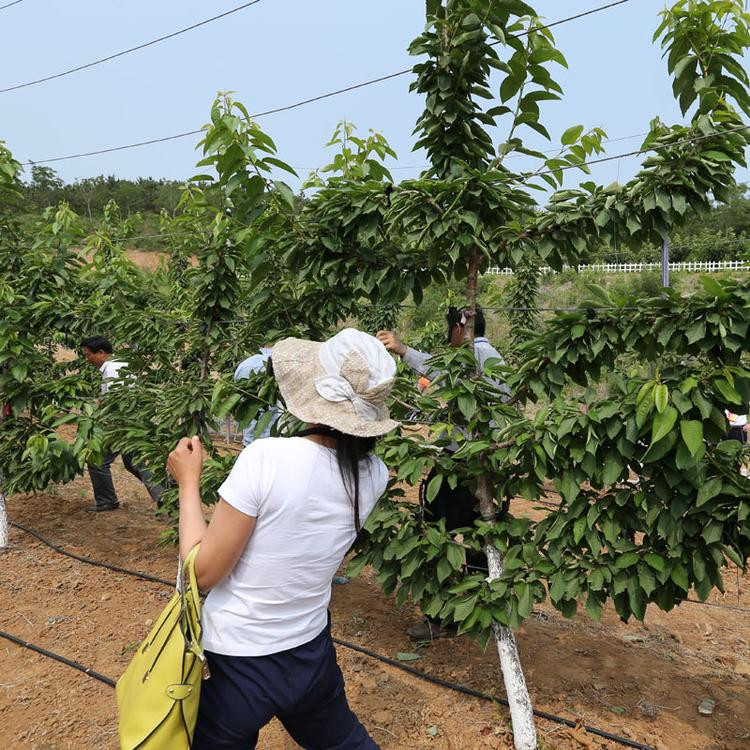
x=521 y=711
x=3 y=521
x=198 y=417
x=471 y=294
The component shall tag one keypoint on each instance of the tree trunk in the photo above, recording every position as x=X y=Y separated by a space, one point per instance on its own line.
x=471 y=294
x=521 y=711
x=198 y=417
x=3 y=520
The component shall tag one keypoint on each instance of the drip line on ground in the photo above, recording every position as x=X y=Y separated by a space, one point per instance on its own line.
x=52 y=655
x=346 y=644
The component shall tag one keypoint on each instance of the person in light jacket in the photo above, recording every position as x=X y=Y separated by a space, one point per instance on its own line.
x=458 y=506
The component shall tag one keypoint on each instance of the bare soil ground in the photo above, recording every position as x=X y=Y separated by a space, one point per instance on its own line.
x=639 y=681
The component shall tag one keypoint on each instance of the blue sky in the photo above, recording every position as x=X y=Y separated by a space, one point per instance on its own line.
x=278 y=52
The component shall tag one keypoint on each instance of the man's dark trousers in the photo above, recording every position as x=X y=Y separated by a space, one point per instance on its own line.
x=104 y=489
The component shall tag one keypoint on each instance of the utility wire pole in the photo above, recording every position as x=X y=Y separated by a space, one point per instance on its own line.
x=665 y=262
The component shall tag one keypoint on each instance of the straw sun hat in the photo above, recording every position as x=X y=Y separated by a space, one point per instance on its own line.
x=341 y=383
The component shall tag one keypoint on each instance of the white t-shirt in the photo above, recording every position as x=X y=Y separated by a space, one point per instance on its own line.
x=109 y=370
x=736 y=420
x=277 y=595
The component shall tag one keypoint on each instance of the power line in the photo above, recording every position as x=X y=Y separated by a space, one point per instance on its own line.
x=118 y=148
x=127 y=51
x=7 y=5
x=262 y=114
x=287 y=107
x=570 y=18
x=509 y=156
x=639 y=152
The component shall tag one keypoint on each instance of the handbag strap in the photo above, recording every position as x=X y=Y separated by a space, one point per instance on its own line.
x=187 y=566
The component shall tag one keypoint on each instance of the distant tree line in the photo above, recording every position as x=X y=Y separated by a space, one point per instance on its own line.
x=721 y=234
x=88 y=196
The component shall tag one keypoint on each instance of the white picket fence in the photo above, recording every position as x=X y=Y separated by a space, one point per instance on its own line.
x=710 y=266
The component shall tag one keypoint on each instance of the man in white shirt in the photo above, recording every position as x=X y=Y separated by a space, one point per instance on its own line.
x=97 y=351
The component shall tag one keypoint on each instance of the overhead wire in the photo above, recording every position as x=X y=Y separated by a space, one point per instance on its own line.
x=262 y=114
x=7 y=5
x=128 y=51
x=639 y=152
x=301 y=103
x=509 y=156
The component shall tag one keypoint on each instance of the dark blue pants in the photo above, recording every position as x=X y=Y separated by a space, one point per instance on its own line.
x=303 y=687
x=104 y=489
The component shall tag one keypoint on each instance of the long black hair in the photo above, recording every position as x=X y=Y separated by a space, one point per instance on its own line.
x=350 y=451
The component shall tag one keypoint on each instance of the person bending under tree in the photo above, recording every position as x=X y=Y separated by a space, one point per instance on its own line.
x=97 y=351
x=457 y=506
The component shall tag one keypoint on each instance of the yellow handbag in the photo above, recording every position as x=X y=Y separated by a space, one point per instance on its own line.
x=158 y=694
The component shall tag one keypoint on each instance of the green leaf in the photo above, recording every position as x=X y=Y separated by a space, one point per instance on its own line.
x=661 y=397
x=455 y=555
x=613 y=467
x=444 y=569
x=655 y=561
x=644 y=392
x=626 y=560
x=643 y=409
x=692 y=434
x=571 y=135
x=579 y=529
x=712 y=286
x=713 y=531
x=646 y=579
x=593 y=607
x=407 y=656
x=727 y=391
x=525 y=599
x=569 y=487
x=679 y=576
x=355 y=566
x=663 y=423
x=464 y=608
x=433 y=487
x=286 y=193
x=468 y=405
x=708 y=490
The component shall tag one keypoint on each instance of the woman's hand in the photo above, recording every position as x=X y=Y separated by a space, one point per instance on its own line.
x=185 y=462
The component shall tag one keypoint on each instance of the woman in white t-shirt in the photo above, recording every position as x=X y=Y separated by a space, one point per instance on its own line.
x=287 y=514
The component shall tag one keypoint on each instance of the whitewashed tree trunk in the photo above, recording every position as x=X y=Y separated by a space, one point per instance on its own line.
x=3 y=522
x=521 y=711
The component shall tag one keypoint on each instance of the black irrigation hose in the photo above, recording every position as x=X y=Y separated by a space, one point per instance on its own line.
x=165 y=582
x=354 y=647
x=732 y=607
x=90 y=561
x=80 y=667
x=485 y=696
x=361 y=649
